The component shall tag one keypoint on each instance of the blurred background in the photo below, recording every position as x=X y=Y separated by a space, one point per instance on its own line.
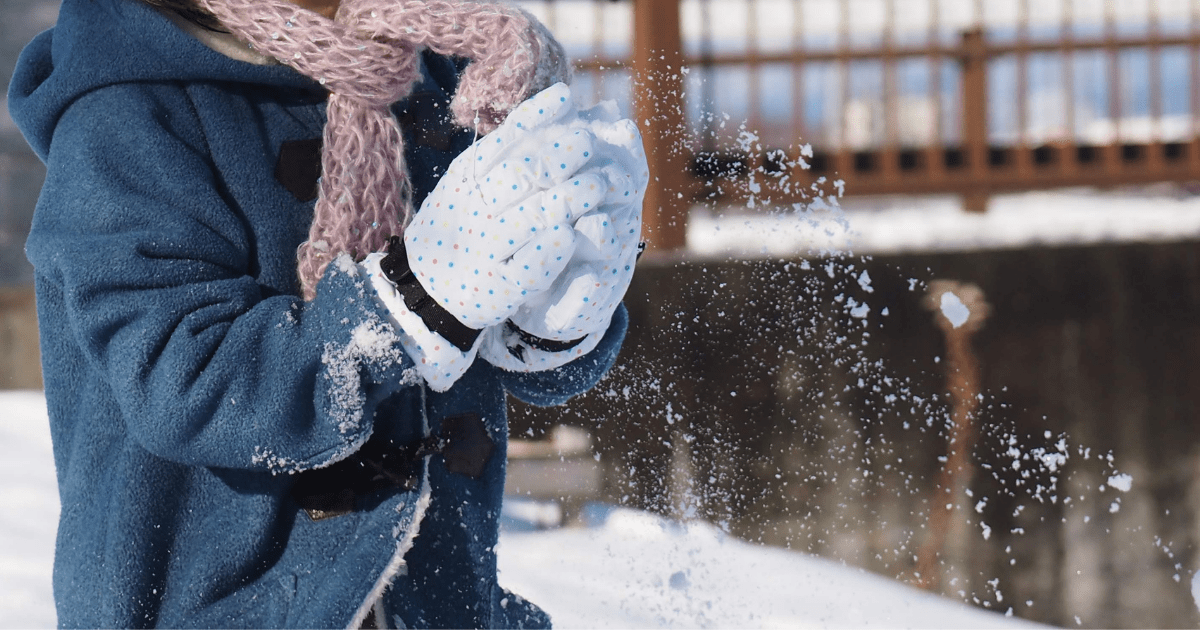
x=921 y=292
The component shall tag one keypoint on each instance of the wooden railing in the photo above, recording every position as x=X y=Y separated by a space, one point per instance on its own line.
x=978 y=123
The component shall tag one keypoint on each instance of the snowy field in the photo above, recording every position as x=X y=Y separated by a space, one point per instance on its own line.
x=625 y=569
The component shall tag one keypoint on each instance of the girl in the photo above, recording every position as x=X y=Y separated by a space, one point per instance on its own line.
x=246 y=436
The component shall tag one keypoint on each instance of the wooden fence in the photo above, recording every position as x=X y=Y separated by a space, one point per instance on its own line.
x=960 y=97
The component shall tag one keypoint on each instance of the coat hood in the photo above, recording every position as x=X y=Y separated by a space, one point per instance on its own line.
x=97 y=43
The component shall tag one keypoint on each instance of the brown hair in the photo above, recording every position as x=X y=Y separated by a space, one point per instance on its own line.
x=189 y=10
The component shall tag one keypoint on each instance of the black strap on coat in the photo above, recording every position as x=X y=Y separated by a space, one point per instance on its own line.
x=381 y=468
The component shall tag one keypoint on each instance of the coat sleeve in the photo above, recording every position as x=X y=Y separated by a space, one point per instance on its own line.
x=155 y=266
x=557 y=386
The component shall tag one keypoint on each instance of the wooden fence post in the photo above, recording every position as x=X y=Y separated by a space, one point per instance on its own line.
x=659 y=111
x=975 y=119
x=959 y=319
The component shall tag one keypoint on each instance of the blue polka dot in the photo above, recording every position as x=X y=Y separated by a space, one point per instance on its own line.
x=555 y=145
x=562 y=166
x=514 y=186
x=587 y=299
x=439 y=243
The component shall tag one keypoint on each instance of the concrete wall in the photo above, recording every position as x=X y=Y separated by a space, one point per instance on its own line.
x=20 y=364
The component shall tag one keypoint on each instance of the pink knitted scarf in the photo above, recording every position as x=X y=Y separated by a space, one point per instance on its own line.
x=368 y=58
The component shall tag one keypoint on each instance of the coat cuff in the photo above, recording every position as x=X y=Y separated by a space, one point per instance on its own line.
x=440 y=362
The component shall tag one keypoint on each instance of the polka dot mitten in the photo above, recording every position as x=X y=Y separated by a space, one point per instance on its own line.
x=496 y=232
x=498 y=228
x=568 y=320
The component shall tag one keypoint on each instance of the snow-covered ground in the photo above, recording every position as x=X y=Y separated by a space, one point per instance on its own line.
x=926 y=224
x=624 y=570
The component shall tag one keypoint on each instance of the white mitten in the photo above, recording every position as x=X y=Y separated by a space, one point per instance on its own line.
x=557 y=325
x=497 y=229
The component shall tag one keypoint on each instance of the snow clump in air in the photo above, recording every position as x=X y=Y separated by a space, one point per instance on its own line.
x=1121 y=482
x=954 y=310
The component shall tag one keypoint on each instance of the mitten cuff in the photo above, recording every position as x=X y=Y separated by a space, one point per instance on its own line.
x=439 y=360
x=510 y=348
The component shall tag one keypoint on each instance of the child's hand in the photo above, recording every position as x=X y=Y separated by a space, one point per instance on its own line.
x=498 y=228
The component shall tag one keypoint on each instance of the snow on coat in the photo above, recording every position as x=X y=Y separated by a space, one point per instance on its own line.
x=190 y=389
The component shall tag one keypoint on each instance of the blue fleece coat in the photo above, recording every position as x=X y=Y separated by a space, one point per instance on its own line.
x=189 y=388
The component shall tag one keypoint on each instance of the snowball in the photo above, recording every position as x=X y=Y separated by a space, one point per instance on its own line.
x=954 y=310
x=1121 y=482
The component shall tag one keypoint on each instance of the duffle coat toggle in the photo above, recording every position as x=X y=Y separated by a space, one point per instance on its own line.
x=382 y=468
